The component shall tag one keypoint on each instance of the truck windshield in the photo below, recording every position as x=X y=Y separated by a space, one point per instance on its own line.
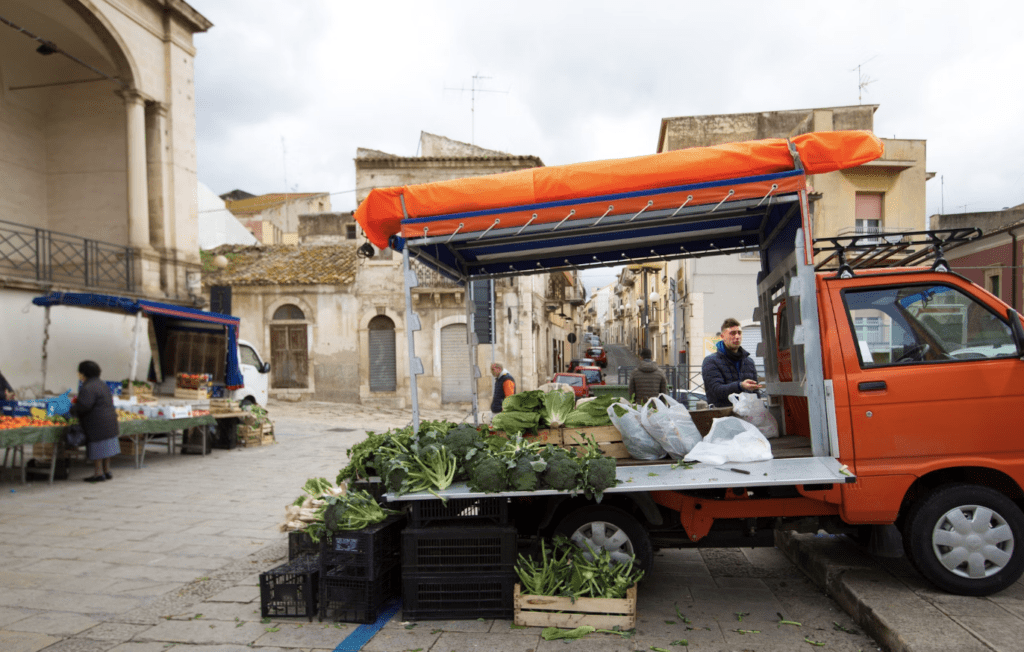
x=925 y=323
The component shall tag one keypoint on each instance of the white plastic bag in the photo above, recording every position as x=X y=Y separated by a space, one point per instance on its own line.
x=641 y=446
x=749 y=407
x=731 y=440
x=670 y=425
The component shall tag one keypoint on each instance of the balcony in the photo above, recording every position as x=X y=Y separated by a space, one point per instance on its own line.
x=52 y=257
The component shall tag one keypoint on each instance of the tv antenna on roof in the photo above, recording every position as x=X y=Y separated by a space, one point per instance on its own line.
x=473 y=90
x=862 y=79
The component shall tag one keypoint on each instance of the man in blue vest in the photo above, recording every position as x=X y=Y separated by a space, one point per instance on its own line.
x=504 y=385
x=730 y=369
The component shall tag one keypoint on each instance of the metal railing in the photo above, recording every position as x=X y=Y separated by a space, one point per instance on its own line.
x=53 y=257
x=679 y=377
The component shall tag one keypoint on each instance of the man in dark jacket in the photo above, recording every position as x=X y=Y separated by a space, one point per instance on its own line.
x=730 y=370
x=647 y=380
x=504 y=386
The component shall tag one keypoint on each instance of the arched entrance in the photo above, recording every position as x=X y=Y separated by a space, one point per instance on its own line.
x=289 y=348
x=383 y=369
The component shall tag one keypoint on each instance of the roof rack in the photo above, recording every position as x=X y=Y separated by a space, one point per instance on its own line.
x=867 y=250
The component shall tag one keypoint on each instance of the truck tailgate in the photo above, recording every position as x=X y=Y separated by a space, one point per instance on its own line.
x=662 y=477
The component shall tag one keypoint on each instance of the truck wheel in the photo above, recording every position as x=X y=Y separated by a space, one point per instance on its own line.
x=599 y=526
x=963 y=538
x=246 y=402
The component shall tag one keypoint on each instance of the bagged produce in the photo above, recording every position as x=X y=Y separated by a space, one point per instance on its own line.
x=731 y=440
x=750 y=408
x=638 y=442
x=668 y=422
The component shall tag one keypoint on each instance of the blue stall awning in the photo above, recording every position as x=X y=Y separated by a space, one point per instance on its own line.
x=161 y=314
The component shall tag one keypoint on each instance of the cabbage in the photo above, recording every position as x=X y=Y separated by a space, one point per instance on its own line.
x=557 y=406
x=592 y=413
x=513 y=421
x=530 y=401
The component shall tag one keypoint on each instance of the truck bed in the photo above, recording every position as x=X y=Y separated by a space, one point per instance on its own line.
x=662 y=477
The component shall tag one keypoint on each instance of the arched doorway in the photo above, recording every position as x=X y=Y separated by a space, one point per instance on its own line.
x=383 y=373
x=289 y=348
x=455 y=379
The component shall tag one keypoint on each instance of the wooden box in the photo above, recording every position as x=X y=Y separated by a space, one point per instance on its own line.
x=129 y=446
x=607 y=437
x=223 y=405
x=191 y=394
x=557 y=611
x=703 y=418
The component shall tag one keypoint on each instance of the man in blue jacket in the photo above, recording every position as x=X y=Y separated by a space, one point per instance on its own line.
x=730 y=369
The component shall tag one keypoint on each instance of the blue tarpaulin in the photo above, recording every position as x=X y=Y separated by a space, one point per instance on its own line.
x=160 y=314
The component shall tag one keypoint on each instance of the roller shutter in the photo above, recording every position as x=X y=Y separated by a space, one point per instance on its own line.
x=383 y=377
x=455 y=380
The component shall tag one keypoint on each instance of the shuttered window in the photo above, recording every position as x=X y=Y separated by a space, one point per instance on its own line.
x=455 y=381
x=482 y=310
x=220 y=299
x=383 y=376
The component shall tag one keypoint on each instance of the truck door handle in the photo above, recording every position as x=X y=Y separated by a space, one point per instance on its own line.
x=872 y=386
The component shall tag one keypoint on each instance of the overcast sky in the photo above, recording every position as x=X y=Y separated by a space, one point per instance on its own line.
x=287 y=90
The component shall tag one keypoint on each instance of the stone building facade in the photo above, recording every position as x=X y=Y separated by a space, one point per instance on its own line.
x=996 y=260
x=274 y=218
x=98 y=169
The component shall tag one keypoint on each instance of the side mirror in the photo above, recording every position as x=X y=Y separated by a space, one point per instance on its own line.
x=1018 y=330
x=265 y=369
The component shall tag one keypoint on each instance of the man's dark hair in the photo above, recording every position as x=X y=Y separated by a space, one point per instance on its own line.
x=729 y=323
x=645 y=354
x=89 y=369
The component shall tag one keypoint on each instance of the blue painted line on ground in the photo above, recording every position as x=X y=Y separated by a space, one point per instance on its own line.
x=362 y=634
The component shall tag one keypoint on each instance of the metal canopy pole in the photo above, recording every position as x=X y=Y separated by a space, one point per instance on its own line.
x=471 y=342
x=135 y=355
x=412 y=324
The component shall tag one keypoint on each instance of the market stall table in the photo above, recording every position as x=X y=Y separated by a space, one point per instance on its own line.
x=140 y=432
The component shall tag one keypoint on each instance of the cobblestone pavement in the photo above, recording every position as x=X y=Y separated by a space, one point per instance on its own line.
x=168 y=556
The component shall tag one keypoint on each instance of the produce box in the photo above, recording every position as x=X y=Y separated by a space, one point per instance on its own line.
x=129 y=446
x=703 y=418
x=193 y=381
x=459 y=550
x=558 y=611
x=189 y=394
x=464 y=596
x=44 y=452
x=223 y=405
x=299 y=545
x=607 y=437
x=350 y=600
x=464 y=511
x=291 y=589
x=249 y=436
x=365 y=554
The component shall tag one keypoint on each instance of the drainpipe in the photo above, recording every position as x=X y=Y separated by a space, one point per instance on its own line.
x=1014 y=297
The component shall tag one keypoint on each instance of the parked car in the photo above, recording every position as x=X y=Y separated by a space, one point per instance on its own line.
x=593 y=374
x=576 y=363
x=599 y=356
x=578 y=382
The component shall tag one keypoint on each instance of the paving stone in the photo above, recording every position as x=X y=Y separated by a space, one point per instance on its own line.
x=54 y=623
x=237 y=594
x=81 y=645
x=114 y=632
x=9 y=615
x=463 y=641
x=200 y=632
x=392 y=640
x=303 y=635
x=24 y=641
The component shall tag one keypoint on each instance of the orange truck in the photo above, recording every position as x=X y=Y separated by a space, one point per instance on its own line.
x=895 y=381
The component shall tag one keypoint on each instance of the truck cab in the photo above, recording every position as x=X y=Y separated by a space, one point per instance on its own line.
x=255 y=375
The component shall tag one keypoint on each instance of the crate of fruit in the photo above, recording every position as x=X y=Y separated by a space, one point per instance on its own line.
x=564 y=612
x=193 y=381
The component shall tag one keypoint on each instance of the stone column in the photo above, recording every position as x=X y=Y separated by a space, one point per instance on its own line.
x=138 y=203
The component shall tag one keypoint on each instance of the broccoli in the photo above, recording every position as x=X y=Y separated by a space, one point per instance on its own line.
x=460 y=439
x=525 y=475
x=395 y=471
x=562 y=472
x=599 y=474
x=489 y=474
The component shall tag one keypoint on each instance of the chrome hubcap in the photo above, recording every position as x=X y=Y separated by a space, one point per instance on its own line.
x=598 y=535
x=973 y=541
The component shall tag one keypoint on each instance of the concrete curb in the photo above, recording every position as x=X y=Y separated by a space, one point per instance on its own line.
x=891 y=612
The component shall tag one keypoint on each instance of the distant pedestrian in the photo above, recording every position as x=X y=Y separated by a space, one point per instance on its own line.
x=94 y=408
x=730 y=369
x=504 y=386
x=647 y=380
x=6 y=391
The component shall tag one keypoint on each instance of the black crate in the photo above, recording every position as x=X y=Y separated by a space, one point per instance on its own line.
x=448 y=596
x=300 y=544
x=364 y=553
x=462 y=549
x=372 y=486
x=423 y=513
x=291 y=589
x=352 y=600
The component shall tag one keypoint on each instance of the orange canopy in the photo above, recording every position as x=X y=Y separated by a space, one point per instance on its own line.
x=380 y=214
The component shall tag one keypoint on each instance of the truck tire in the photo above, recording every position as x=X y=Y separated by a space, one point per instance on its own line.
x=612 y=529
x=966 y=539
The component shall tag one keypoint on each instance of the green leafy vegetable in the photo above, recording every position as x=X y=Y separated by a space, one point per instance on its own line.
x=530 y=401
x=563 y=471
x=489 y=474
x=515 y=421
x=554 y=634
x=557 y=405
x=353 y=511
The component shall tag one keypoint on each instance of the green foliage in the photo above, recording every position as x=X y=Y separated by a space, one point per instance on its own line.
x=591 y=414
x=489 y=474
x=575 y=572
x=515 y=422
x=563 y=471
x=530 y=401
x=353 y=511
x=556 y=406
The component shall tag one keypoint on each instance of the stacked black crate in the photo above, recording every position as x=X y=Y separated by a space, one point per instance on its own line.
x=457 y=560
x=299 y=544
x=291 y=589
x=360 y=570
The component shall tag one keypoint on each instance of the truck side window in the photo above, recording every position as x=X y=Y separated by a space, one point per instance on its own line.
x=249 y=356
x=924 y=323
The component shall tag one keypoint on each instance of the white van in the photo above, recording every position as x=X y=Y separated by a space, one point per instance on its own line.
x=255 y=376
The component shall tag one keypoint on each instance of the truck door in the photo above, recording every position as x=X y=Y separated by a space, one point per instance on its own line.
x=932 y=372
x=253 y=376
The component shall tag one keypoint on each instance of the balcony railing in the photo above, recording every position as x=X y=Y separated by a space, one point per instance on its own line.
x=52 y=257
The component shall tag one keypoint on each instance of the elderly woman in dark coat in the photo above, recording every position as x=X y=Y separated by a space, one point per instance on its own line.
x=95 y=410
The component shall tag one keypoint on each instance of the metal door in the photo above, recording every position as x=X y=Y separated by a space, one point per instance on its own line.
x=383 y=377
x=455 y=380
x=289 y=356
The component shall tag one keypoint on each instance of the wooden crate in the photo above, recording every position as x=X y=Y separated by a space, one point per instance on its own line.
x=556 y=611
x=191 y=394
x=607 y=437
x=129 y=446
x=223 y=405
x=249 y=436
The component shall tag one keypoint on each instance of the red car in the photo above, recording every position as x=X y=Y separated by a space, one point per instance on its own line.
x=599 y=356
x=593 y=375
x=578 y=382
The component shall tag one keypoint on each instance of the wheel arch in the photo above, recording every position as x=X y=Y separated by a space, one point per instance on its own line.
x=639 y=505
x=976 y=475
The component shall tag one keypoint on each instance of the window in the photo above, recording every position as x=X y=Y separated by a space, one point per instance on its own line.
x=925 y=323
x=482 y=311
x=868 y=214
x=350 y=231
x=992 y=281
x=288 y=311
x=248 y=356
x=220 y=299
